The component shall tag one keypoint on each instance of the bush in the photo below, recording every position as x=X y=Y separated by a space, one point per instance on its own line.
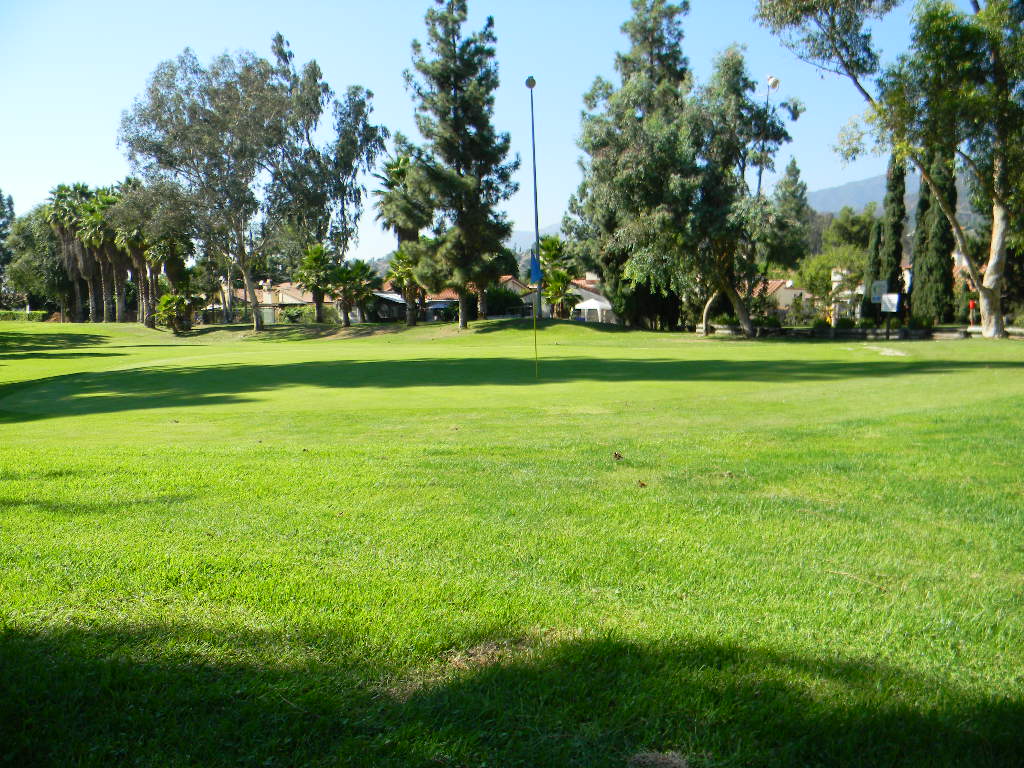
x=175 y=311
x=292 y=314
x=770 y=321
x=866 y=323
x=821 y=325
x=502 y=301
x=846 y=323
x=724 y=320
x=32 y=317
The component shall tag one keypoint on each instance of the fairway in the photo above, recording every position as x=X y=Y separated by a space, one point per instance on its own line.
x=395 y=547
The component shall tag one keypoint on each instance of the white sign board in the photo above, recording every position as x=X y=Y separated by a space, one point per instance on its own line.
x=878 y=289
x=890 y=302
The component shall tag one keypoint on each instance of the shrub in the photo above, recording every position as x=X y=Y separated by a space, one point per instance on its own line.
x=32 y=317
x=502 y=301
x=846 y=323
x=770 y=321
x=292 y=314
x=175 y=311
x=866 y=323
x=820 y=324
x=724 y=320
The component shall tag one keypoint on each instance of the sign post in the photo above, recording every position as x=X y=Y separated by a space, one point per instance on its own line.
x=890 y=306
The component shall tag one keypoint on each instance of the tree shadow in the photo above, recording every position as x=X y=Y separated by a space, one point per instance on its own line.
x=526 y=324
x=19 y=345
x=186 y=695
x=186 y=386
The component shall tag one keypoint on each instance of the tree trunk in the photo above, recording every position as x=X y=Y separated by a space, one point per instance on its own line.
x=152 y=294
x=318 y=306
x=463 y=311
x=410 y=307
x=76 y=311
x=225 y=292
x=990 y=292
x=481 y=304
x=345 y=309
x=707 y=310
x=95 y=299
x=107 y=283
x=740 y=308
x=250 y=290
x=119 y=294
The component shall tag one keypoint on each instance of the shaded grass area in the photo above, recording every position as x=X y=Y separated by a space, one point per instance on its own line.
x=401 y=549
x=113 y=696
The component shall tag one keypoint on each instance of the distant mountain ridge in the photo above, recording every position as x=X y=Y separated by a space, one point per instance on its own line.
x=857 y=194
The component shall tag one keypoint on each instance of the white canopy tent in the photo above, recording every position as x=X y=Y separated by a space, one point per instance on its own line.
x=595 y=311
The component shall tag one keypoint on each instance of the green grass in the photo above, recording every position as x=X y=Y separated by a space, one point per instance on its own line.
x=400 y=549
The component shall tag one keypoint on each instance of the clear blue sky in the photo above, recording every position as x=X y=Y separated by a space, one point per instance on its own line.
x=71 y=68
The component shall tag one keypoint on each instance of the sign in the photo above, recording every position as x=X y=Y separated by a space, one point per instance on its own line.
x=890 y=302
x=878 y=289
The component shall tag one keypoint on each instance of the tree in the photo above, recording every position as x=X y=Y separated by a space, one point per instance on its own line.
x=816 y=272
x=64 y=211
x=894 y=219
x=403 y=205
x=318 y=274
x=558 y=291
x=217 y=133
x=37 y=267
x=632 y=145
x=468 y=175
x=872 y=270
x=316 y=189
x=402 y=274
x=793 y=218
x=354 y=285
x=964 y=72
x=6 y=222
x=850 y=227
x=933 y=264
x=554 y=255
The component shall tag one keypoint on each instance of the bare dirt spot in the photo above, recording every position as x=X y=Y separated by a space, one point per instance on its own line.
x=658 y=760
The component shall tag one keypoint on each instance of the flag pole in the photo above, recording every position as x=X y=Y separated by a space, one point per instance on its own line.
x=535 y=272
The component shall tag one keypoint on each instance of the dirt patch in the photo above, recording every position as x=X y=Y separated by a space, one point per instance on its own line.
x=658 y=760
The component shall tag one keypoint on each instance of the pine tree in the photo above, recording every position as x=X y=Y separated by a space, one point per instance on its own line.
x=933 y=266
x=872 y=269
x=655 y=79
x=793 y=214
x=469 y=175
x=894 y=218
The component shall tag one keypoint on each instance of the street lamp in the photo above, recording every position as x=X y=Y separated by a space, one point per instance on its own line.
x=773 y=84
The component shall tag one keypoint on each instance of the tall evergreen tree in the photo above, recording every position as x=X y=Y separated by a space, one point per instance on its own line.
x=655 y=79
x=872 y=269
x=933 y=265
x=469 y=175
x=894 y=219
x=793 y=218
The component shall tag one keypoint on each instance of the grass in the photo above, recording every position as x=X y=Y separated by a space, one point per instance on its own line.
x=400 y=549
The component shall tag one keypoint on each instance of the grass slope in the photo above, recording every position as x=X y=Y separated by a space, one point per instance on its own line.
x=400 y=549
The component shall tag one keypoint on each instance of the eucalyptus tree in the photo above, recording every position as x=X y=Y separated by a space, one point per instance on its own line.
x=965 y=72
x=469 y=174
x=317 y=189
x=216 y=133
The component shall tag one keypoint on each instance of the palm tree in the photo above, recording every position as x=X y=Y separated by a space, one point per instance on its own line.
x=318 y=273
x=356 y=282
x=401 y=206
x=402 y=274
x=67 y=205
x=558 y=292
x=99 y=233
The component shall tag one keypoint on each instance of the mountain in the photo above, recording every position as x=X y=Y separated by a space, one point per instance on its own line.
x=522 y=239
x=857 y=194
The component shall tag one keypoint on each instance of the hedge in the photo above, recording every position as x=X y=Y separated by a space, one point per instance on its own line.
x=35 y=317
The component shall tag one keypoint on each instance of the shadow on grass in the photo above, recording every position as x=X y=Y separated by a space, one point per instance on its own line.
x=166 y=387
x=19 y=346
x=165 y=696
x=526 y=324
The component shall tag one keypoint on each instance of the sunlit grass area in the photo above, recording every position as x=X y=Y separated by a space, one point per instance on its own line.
x=399 y=548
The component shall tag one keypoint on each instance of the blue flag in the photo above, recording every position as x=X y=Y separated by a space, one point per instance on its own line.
x=535 y=274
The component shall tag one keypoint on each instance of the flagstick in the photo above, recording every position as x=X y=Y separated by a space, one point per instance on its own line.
x=530 y=83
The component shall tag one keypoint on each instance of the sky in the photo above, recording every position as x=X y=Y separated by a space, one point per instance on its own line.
x=69 y=70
